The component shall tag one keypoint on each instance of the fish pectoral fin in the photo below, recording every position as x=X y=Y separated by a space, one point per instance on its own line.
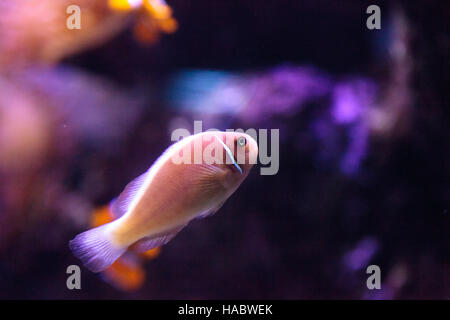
x=208 y=177
x=209 y=170
x=210 y=212
x=159 y=240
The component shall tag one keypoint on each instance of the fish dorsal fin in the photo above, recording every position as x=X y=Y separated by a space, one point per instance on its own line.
x=159 y=240
x=121 y=205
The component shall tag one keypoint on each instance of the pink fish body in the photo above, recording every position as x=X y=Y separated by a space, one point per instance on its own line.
x=191 y=179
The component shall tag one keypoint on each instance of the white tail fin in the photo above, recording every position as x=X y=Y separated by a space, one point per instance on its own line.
x=95 y=249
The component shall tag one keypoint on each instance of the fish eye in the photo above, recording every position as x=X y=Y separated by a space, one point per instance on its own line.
x=242 y=141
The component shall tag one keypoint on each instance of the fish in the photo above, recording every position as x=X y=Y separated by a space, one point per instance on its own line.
x=192 y=179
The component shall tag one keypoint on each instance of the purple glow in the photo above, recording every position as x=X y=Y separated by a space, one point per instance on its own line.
x=360 y=256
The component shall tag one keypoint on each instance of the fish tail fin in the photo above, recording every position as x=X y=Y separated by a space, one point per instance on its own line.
x=95 y=249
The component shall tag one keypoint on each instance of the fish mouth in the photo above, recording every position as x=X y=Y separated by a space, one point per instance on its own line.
x=230 y=154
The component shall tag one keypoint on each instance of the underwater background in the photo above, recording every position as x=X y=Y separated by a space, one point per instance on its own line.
x=364 y=153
